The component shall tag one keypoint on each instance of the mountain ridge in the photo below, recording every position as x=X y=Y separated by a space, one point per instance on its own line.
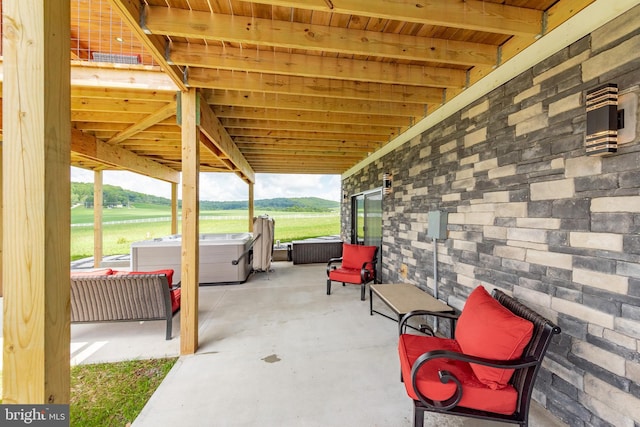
x=82 y=193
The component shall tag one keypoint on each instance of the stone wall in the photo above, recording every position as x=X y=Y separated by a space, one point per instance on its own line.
x=531 y=214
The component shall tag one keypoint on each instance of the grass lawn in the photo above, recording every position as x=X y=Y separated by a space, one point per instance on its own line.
x=117 y=238
x=113 y=394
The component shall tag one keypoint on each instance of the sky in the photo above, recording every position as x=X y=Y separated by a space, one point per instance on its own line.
x=225 y=187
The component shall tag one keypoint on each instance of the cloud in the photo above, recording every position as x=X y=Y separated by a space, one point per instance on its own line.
x=225 y=186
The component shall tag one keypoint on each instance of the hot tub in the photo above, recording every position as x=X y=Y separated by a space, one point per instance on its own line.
x=218 y=252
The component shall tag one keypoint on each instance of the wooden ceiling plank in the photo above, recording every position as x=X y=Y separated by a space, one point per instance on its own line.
x=235 y=59
x=291 y=85
x=213 y=129
x=130 y=11
x=294 y=35
x=90 y=147
x=468 y=14
x=161 y=114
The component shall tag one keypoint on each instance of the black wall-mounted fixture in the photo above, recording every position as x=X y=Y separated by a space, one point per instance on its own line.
x=602 y=120
x=387 y=181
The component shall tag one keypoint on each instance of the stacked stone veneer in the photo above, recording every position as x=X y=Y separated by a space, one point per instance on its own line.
x=531 y=214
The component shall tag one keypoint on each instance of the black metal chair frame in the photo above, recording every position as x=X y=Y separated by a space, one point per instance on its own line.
x=523 y=379
x=363 y=273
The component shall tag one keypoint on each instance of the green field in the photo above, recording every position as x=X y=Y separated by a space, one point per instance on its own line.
x=117 y=238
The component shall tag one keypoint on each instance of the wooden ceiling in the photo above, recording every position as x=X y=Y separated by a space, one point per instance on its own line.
x=309 y=86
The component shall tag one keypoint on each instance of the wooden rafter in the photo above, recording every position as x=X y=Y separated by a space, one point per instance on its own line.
x=130 y=12
x=161 y=114
x=291 y=64
x=211 y=127
x=90 y=147
x=292 y=35
x=314 y=103
x=291 y=85
x=468 y=14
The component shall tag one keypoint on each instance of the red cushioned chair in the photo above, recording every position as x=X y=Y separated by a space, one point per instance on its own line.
x=488 y=371
x=358 y=266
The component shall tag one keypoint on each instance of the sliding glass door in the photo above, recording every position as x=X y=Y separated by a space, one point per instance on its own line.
x=366 y=220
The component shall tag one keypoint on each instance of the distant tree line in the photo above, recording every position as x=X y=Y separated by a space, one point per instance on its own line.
x=82 y=193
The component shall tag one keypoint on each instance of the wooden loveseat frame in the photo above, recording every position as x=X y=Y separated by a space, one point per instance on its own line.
x=525 y=367
x=121 y=298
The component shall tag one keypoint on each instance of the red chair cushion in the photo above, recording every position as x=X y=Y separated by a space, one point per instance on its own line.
x=175 y=300
x=475 y=395
x=354 y=256
x=346 y=275
x=487 y=329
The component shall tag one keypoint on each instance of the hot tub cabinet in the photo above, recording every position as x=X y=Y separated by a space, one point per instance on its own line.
x=217 y=255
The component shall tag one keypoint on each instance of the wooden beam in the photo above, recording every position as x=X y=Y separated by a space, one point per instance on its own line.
x=176 y=22
x=291 y=85
x=190 y=223
x=97 y=218
x=213 y=129
x=315 y=103
x=468 y=14
x=230 y=124
x=251 y=207
x=1 y=215
x=97 y=106
x=36 y=190
x=311 y=136
x=174 y=208
x=130 y=77
x=291 y=64
x=130 y=11
x=90 y=147
x=271 y=113
x=161 y=114
x=120 y=93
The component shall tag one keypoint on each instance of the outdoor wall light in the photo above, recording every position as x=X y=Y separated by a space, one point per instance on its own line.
x=387 y=181
x=602 y=120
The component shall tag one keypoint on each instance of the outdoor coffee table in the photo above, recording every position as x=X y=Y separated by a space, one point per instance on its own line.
x=403 y=298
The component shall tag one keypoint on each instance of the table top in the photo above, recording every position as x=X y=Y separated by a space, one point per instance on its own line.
x=405 y=297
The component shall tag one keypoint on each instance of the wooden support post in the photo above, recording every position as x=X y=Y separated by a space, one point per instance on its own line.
x=174 y=208
x=36 y=184
x=1 y=219
x=97 y=218
x=190 y=223
x=251 y=207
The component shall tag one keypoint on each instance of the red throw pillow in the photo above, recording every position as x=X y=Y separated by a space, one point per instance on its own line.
x=353 y=256
x=487 y=329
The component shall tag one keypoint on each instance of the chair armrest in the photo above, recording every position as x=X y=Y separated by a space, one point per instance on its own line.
x=523 y=362
x=402 y=325
x=446 y=376
x=332 y=261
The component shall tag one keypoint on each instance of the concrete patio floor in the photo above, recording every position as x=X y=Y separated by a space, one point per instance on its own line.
x=275 y=351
